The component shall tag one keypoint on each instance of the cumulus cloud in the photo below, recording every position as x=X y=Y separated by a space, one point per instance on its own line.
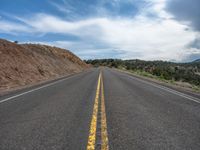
x=139 y=38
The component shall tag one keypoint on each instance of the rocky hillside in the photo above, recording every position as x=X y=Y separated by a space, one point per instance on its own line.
x=25 y=64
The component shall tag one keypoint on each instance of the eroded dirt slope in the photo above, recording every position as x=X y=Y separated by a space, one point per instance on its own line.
x=25 y=64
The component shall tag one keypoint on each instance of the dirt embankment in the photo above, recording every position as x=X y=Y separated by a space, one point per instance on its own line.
x=26 y=64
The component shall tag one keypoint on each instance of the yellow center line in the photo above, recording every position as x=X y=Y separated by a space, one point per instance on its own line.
x=104 y=133
x=93 y=125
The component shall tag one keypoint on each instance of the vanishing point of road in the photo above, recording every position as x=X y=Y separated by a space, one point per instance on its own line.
x=101 y=109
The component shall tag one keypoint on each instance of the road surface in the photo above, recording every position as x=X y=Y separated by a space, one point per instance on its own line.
x=99 y=109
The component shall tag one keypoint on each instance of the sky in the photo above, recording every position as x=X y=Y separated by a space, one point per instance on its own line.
x=166 y=30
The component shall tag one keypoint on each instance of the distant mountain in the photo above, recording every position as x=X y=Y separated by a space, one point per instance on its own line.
x=25 y=64
x=197 y=60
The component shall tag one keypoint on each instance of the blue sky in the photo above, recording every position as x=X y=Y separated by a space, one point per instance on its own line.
x=126 y=29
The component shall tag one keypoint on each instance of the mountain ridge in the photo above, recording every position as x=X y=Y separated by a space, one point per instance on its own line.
x=197 y=60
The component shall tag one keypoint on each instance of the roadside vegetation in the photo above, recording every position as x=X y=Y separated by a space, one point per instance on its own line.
x=185 y=74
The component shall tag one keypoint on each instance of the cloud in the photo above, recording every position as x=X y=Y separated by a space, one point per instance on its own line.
x=154 y=40
x=95 y=8
x=191 y=55
x=51 y=24
x=195 y=43
x=187 y=11
x=142 y=37
x=86 y=50
x=150 y=35
x=13 y=28
x=64 y=7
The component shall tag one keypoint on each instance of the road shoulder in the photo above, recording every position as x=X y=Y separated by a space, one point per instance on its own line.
x=168 y=85
x=20 y=89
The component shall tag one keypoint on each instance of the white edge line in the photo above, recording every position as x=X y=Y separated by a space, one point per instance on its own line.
x=197 y=100
x=41 y=87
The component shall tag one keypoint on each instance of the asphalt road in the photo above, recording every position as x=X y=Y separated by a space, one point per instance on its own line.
x=123 y=111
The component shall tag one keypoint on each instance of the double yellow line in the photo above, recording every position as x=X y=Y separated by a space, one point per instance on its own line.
x=93 y=126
